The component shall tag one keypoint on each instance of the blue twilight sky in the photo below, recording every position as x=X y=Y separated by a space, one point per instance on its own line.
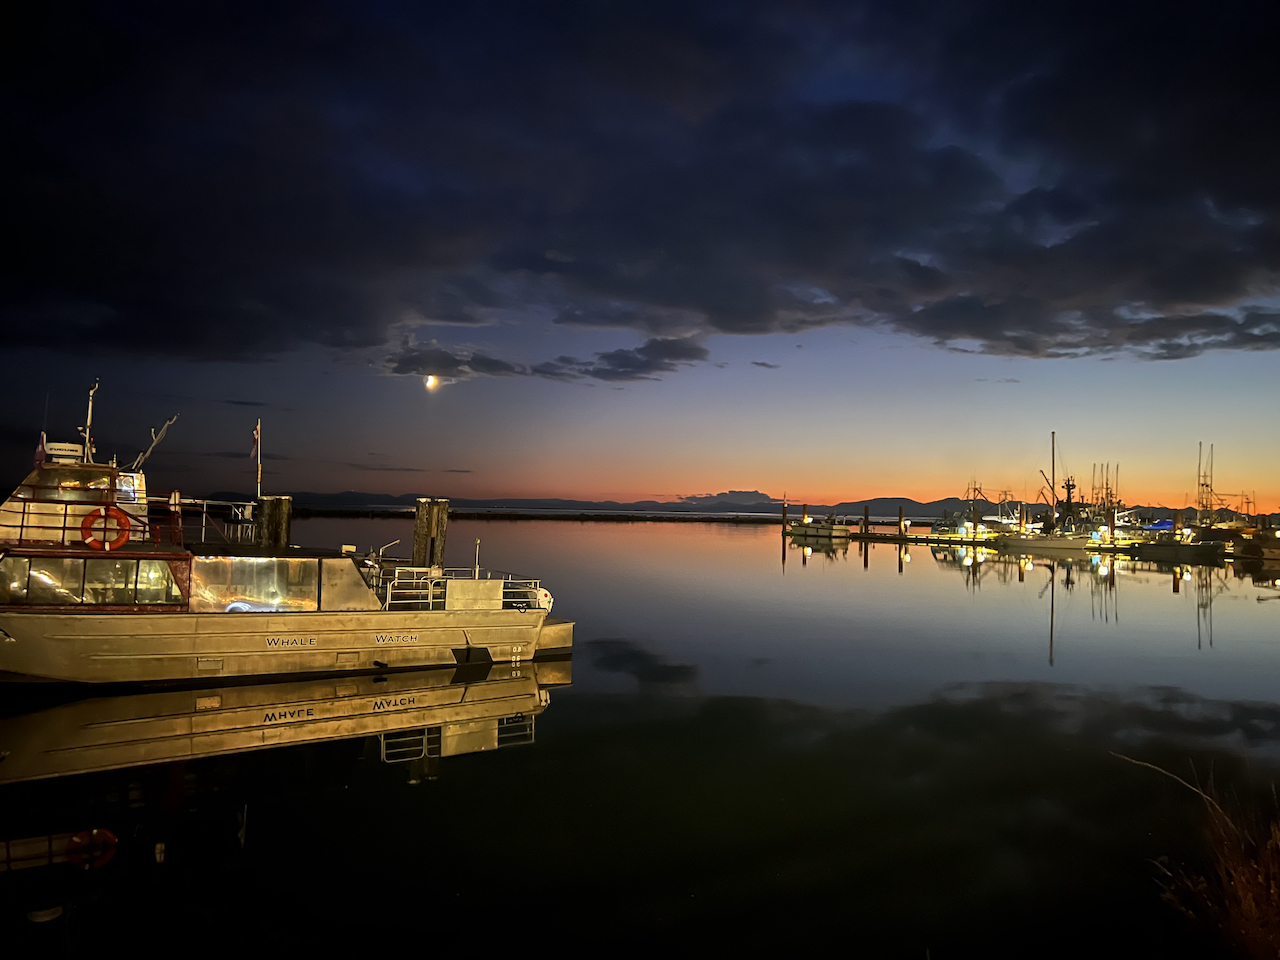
x=648 y=250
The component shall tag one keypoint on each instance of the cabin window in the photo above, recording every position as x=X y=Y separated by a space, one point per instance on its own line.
x=55 y=580
x=13 y=579
x=43 y=581
x=156 y=583
x=109 y=580
x=127 y=488
x=253 y=584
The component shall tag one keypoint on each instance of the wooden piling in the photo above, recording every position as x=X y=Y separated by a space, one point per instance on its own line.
x=273 y=517
x=866 y=518
x=422 y=532
x=439 y=525
x=430 y=518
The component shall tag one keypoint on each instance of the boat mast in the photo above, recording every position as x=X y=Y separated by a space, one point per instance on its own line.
x=88 y=427
x=1053 y=473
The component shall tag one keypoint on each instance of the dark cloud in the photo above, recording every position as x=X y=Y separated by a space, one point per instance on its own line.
x=455 y=471
x=245 y=403
x=743 y=498
x=1015 y=179
x=656 y=356
x=376 y=468
x=435 y=361
x=767 y=366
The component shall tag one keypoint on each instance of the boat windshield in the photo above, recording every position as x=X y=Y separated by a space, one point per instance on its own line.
x=66 y=483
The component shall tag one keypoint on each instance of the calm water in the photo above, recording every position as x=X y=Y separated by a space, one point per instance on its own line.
x=758 y=748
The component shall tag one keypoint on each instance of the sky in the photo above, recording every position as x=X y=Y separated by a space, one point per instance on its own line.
x=832 y=250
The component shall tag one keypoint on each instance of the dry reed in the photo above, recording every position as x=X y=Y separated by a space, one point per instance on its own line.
x=1239 y=893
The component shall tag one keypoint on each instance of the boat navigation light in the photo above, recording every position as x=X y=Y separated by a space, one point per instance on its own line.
x=431 y=381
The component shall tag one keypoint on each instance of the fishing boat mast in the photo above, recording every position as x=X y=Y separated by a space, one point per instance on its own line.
x=87 y=455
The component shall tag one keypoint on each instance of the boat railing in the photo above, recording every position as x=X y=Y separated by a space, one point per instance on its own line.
x=520 y=593
x=226 y=521
x=41 y=515
x=102 y=524
x=416 y=588
x=427 y=588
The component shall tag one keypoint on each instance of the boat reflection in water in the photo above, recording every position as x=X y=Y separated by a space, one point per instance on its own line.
x=103 y=795
x=415 y=715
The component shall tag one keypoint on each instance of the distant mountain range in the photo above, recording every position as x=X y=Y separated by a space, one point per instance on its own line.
x=877 y=506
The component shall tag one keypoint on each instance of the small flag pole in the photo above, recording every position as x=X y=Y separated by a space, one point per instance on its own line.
x=257 y=446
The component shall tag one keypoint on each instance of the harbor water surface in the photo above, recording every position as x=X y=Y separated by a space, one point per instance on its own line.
x=760 y=747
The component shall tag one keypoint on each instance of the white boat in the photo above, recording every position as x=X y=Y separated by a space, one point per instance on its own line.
x=1052 y=545
x=101 y=583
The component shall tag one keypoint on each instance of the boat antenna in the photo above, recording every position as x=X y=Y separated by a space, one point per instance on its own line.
x=88 y=426
x=155 y=440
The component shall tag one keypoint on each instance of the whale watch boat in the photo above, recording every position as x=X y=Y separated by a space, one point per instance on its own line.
x=100 y=582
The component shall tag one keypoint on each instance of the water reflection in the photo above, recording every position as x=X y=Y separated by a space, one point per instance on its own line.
x=415 y=715
x=989 y=820
x=872 y=626
x=896 y=747
x=114 y=784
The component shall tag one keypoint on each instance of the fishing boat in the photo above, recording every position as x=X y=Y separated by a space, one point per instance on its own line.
x=820 y=529
x=100 y=583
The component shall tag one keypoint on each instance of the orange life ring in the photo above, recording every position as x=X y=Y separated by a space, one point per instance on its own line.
x=122 y=526
x=91 y=849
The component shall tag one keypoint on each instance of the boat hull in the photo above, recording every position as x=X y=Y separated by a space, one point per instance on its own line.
x=818 y=532
x=1052 y=546
x=123 y=647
